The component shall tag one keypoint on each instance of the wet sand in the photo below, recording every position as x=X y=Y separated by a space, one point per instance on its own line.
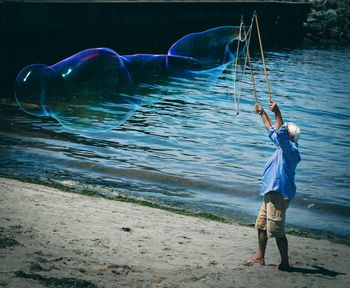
x=51 y=237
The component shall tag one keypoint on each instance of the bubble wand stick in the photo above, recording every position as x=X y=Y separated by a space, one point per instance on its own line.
x=249 y=60
x=262 y=55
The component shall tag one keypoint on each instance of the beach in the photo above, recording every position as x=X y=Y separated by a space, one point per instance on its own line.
x=52 y=238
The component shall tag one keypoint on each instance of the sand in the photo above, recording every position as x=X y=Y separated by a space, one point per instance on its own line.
x=50 y=237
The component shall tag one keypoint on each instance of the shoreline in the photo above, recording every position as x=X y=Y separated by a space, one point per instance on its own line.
x=50 y=237
x=295 y=231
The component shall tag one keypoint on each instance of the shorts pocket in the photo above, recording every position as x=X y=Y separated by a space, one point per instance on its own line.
x=275 y=229
x=276 y=209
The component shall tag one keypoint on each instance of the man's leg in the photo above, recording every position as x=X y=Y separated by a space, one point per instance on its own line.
x=282 y=244
x=260 y=253
x=262 y=239
x=276 y=214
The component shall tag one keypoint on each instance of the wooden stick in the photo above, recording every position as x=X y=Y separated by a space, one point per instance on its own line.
x=262 y=57
x=235 y=66
x=251 y=67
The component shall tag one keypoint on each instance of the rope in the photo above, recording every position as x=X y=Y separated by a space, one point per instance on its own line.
x=247 y=39
x=262 y=55
x=249 y=61
x=235 y=67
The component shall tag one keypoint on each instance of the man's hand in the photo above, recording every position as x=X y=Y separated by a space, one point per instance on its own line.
x=274 y=107
x=258 y=109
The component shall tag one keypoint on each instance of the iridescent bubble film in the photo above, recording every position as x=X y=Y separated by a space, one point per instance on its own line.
x=98 y=89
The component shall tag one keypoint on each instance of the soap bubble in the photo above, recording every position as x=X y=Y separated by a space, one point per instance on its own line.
x=208 y=49
x=91 y=89
x=98 y=89
x=31 y=86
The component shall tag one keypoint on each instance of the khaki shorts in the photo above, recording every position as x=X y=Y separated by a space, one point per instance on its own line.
x=272 y=214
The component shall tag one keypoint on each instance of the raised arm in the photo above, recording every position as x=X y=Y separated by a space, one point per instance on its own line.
x=278 y=115
x=260 y=110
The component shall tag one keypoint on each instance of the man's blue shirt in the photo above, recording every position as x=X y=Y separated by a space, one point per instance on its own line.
x=280 y=168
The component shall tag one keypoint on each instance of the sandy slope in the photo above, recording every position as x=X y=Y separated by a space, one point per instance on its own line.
x=65 y=235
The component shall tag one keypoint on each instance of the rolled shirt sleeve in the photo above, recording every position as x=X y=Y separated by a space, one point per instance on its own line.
x=273 y=135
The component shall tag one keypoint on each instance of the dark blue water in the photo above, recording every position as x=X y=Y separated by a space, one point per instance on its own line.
x=195 y=153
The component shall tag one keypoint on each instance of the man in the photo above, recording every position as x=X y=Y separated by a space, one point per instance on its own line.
x=278 y=187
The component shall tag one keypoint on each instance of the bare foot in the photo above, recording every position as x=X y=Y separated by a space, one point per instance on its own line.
x=254 y=260
x=284 y=267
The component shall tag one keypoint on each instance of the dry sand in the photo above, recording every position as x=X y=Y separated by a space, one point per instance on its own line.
x=49 y=237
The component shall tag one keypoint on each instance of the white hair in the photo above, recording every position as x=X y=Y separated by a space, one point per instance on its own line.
x=293 y=132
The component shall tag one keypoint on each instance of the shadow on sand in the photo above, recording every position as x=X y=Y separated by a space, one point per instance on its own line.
x=316 y=270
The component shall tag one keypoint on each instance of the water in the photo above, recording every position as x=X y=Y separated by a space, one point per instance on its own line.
x=195 y=153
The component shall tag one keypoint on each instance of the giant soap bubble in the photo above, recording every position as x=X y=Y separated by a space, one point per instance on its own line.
x=98 y=89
